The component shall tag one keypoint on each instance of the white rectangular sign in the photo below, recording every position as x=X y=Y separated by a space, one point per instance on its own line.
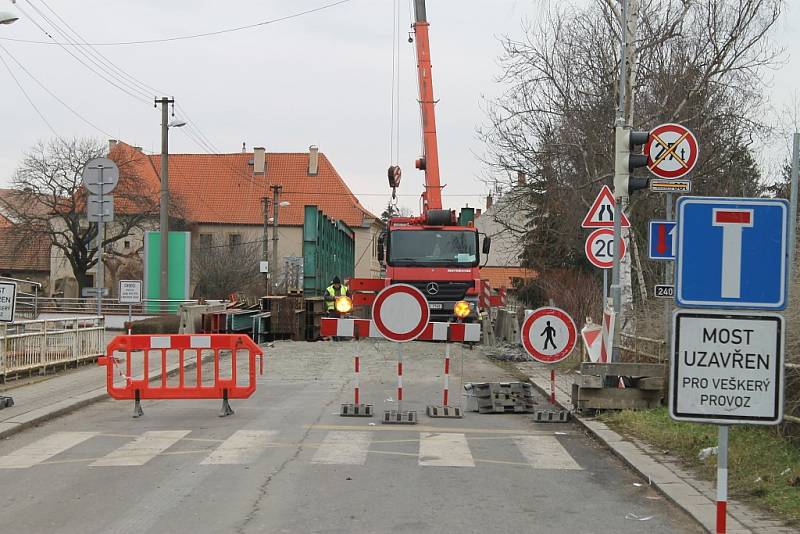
x=130 y=292
x=8 y=301
x=727 y=367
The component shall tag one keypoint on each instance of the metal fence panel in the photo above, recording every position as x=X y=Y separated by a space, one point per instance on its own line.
x=38 y=344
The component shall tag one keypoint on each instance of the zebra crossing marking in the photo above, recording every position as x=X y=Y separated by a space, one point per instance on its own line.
x=142 y=449
x=444 y=450
x=545 y=452
x=43 y=449
x=338 y=447
x=242 y=447
x=343 y=448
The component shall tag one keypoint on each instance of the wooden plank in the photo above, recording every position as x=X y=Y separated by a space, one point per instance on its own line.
x=618 y=399
x=623 y=369
x=590 y=381
x=655 y=383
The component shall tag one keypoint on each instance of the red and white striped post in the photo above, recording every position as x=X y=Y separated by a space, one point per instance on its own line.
x=552 y=386
x=399 y=378
x=722 y=479
x=357 y=362
x=446 y=390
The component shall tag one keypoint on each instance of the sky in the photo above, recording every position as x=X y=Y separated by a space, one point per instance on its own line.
x=323 y=78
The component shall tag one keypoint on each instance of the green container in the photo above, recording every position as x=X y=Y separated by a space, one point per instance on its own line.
x=328 y=251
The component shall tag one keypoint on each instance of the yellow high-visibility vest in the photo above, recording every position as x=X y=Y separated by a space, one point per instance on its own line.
x=331 y=304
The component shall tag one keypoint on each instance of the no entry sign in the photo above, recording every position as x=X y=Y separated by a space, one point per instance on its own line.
x=549 y=335
x=671 y=151
x=400 y=312
x=727 y=367
x=599 y=248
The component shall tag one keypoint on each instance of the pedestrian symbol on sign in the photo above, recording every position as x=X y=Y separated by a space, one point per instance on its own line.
x=549 y=332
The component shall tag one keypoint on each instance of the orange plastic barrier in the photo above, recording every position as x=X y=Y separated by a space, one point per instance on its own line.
x=129 y=374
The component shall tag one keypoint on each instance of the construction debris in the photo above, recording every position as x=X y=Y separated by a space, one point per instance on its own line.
x=500 y=397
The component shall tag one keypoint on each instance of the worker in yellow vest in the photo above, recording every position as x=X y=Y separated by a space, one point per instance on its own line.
x=336 y=289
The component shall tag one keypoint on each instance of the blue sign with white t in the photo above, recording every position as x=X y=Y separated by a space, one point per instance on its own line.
x=662 y=240
x=731 y=253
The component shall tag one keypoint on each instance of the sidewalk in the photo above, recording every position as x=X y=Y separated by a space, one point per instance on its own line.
x=696 y=497
x=62 y=392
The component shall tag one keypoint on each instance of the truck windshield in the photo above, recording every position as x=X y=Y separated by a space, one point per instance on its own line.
x=433 y=247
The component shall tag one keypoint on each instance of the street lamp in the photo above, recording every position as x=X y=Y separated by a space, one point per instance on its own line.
x=8 y=18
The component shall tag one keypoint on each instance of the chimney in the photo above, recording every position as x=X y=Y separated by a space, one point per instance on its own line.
x=244 y=147
x=111 y=144
x=313 y=160
x=259 y=161
x=520 y=178
x=489 y=201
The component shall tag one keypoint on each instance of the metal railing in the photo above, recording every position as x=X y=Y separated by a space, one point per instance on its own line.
x=641 y=348
x=89 y=305
x=38 y=344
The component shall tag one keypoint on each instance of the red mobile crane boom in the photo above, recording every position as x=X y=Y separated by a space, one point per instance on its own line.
x=433 y=251
x=429 y=162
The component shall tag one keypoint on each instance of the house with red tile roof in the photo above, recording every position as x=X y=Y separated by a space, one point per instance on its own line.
x=504 y=222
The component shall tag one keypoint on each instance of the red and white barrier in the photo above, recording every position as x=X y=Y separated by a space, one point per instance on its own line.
x=435 y=331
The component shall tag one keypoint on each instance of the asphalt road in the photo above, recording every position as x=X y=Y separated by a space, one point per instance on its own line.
x=286 y=462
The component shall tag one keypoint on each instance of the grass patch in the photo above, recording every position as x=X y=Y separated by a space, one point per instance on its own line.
x=763 y=467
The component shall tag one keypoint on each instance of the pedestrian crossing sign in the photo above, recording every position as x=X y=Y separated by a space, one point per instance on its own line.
x=601 y=214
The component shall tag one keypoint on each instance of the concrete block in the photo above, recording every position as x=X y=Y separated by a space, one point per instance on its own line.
x=452 y=412
x=356 y=410
x=393 y=417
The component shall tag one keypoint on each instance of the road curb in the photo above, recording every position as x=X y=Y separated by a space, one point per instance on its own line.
x=64 y=407
x=667 y=483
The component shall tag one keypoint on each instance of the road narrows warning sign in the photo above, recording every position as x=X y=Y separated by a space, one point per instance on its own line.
x=601 y=214
x=549 y=335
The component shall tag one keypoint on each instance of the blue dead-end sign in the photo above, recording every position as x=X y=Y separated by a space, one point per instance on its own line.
x=731 y=253
x=662 y=240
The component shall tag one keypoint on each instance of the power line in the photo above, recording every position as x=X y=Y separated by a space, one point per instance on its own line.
x=30 y=101
x=123 y=88
x=51 y=93
x=101 y=57
x=191 y=36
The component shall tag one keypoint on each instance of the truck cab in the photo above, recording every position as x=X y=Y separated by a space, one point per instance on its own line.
x=441 y=261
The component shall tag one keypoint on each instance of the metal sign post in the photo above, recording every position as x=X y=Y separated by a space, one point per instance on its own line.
x=130 y=293
x=100 y=177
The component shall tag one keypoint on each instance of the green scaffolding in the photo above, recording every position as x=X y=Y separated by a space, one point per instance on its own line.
x=328 y=251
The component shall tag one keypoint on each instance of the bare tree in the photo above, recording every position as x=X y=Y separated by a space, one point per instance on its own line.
x=698 y=62
x=48 y=199
x=220 y=270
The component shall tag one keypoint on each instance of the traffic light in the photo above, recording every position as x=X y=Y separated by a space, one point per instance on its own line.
x=627 y=158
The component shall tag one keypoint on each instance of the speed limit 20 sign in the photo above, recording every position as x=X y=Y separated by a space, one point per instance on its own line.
x=599 y=248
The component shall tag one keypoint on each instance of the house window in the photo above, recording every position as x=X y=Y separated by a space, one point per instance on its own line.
x=126 y=244
x=204 y=240
x=234 y=240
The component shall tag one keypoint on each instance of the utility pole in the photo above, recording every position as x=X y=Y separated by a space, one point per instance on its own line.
x=793 y=206
x=164 y=200
x=276 y=193
x=628 y=22
x=265 y=243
